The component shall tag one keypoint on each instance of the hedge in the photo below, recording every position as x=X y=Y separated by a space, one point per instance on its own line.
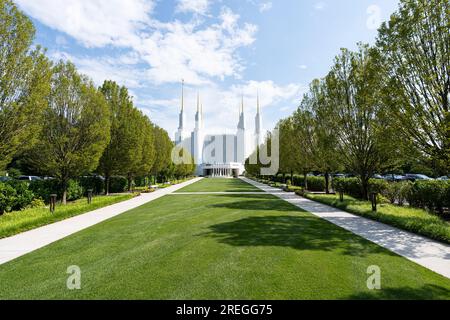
x=118 y=184
x=44 y=188
x=94 y=183
x=431 y=195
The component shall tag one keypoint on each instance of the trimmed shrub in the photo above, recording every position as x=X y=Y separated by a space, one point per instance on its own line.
x=378 y=186
x=14 y=196
x=118 y=185
x=74 y=190
x=95 y=183
x=430 y=195
x=316 y=184
x=36 y=203
x=349 y=186
x=44 y=188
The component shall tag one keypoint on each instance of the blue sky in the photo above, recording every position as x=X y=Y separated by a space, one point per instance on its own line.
x=223 y=49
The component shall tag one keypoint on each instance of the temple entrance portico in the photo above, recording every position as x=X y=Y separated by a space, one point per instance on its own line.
x=223 y=170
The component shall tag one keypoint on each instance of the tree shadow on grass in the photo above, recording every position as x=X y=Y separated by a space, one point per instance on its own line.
x=426 y=292
x=255 y=202
x=297 y=232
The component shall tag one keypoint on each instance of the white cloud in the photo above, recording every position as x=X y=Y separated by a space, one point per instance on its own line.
x=265 y=6
x=194 y=6
x=198 y=54
x=119 y=69
x=303 y=67
x=197 y=51
x=95 y=23
x=320 y=5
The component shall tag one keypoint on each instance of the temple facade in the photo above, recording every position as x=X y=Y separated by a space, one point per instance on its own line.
x=222 y=155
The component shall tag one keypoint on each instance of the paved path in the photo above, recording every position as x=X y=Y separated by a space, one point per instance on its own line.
x=21 y=244
x=428 y=253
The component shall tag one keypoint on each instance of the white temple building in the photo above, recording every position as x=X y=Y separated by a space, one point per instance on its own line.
x=222 y=155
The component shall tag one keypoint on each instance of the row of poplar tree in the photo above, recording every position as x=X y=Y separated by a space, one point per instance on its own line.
x=381 y=108
x=61 y=125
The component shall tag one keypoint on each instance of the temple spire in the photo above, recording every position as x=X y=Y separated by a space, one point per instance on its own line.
x=198 y=102
x=258 y=106
x=182 y=95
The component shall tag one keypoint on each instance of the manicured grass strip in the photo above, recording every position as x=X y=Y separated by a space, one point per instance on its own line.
x=410 y=219
x=20 y=221
x=220 y=185
x=217 y=247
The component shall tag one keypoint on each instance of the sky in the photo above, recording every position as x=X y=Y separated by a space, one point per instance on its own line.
x=223 y=49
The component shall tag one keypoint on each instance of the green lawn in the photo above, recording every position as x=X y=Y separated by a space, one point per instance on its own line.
x=411 y=219
x=217 y=247
x=220 y=185
x=20 y=221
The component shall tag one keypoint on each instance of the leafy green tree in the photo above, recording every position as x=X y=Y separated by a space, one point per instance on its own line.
x=76 y=127
x=365 y=141
x=321 y=137
x=303 y=133
x=415 y=46
x=163 y=150
x=24 y=83
x=130 y=150
x=140 y=149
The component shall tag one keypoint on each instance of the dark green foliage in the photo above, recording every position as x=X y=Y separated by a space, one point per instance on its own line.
x=118 y=185
x=398 y=192
x=316 y=184
x=349 y=186
x=378 y=186
x=74 y=190
x=14 y=195
x=94 y=183
x=432 y=195
x=44 y=188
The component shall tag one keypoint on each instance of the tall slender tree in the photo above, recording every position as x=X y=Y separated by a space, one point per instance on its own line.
x=76 y=127
x=163 y=150
x=24 y=83
x=415 y=46
x=354 y=89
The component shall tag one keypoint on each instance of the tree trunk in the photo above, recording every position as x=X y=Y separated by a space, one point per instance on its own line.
x=107 y=182
x=327 y=183
x=365 y=187
x=130 y=184
x=305 y=177
x=292 y=178
x=64 y=190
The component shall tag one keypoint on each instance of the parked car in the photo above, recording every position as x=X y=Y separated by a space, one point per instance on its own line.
x=29 y=178
x=378 y=176
x=339 y=175
x=5 y=179
x=444 y=178
x=394 y=177
x=414 y=177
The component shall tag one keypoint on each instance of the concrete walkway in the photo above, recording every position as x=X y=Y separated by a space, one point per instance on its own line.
x=428 y=253
x=21 y=244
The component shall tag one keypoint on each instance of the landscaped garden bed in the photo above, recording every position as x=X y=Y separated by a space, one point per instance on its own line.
x=19 y=221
